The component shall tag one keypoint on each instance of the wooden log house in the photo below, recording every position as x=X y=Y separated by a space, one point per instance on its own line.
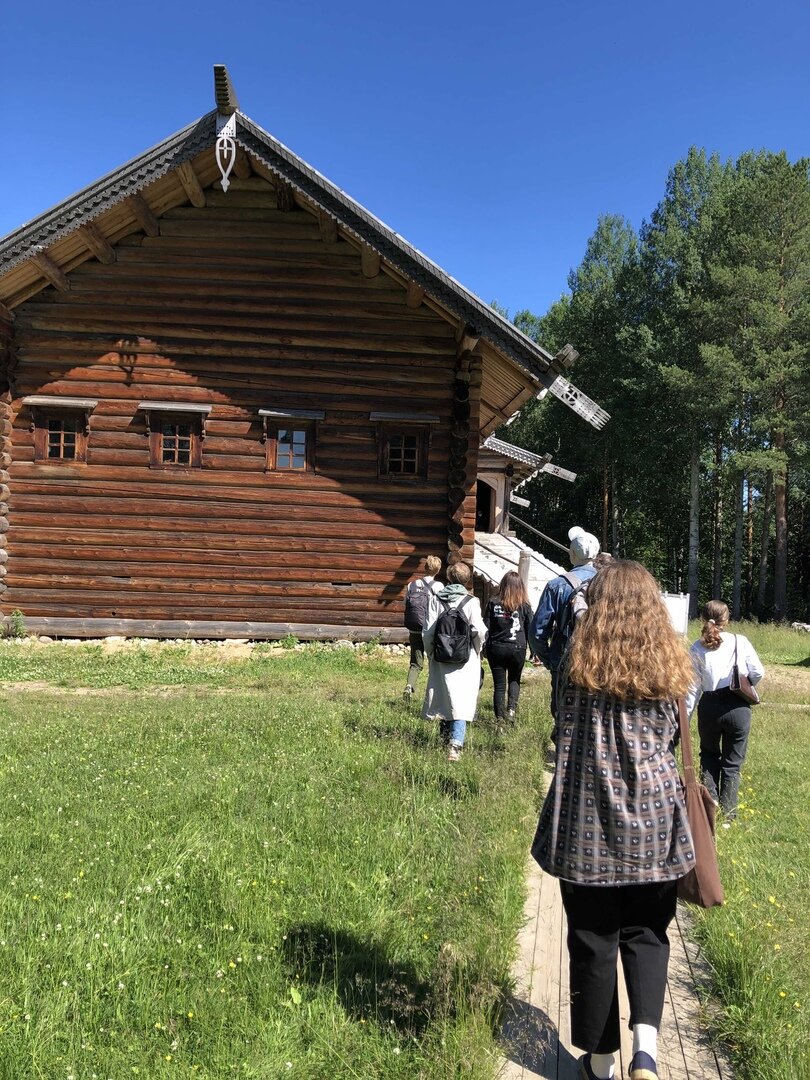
x=234 y=403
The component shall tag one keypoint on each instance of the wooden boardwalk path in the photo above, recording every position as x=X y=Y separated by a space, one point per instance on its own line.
x=536 y=1036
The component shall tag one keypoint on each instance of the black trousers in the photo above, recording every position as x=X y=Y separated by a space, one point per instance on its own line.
x=417 y=656
x=506 y=665
x=724 y=723
x=604 y=922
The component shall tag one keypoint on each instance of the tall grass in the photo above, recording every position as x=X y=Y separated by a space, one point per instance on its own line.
x=266 y=870
x=758 y=943
x=774 y=644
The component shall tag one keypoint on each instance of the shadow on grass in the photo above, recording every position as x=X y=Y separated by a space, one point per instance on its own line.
x=531 y=1040
x=369 y=985
x=458 y=788
x=419 y=739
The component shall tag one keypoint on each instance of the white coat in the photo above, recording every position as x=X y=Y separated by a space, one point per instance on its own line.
x=452 y=690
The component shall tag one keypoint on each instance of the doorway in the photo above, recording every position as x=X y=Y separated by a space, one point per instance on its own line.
x=484 y=507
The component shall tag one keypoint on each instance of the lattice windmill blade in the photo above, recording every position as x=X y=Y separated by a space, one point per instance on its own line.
x=579 y=403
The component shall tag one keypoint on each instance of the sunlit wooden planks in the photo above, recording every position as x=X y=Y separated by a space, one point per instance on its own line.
x=203 y=306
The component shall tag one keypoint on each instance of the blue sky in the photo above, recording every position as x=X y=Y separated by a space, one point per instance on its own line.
x=490 y=136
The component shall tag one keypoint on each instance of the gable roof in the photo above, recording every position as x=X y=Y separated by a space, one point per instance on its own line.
x=537 y=370
x=516 y=453
x=525 y=464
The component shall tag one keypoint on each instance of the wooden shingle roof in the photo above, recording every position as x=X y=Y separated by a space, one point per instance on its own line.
x=88 y=224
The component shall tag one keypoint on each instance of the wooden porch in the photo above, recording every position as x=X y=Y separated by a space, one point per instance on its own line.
x=536 y=1038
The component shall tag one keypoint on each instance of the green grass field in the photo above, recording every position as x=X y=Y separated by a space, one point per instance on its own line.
x=757 y=944
x=255 y=868
x=263 y=867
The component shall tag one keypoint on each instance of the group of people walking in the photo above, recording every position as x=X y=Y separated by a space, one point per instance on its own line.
x=499 y=634
x=613 y=828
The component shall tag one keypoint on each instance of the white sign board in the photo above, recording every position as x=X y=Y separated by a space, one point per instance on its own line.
x=678 y=607
x=555 y=470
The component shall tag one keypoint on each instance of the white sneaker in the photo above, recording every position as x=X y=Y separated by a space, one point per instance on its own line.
x=454 y=753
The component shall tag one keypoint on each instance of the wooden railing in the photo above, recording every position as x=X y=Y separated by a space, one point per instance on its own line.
x=531 y=528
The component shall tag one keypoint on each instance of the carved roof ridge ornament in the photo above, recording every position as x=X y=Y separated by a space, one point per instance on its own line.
x=226 y=100
x=227 y=108
x=225 y=148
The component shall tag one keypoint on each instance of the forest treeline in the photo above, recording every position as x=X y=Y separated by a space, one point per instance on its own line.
x=694 y=333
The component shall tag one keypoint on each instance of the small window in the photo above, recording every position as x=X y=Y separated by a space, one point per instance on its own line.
x=175 y=431
x=289 y=448
x=175 y=441
x=289 y=438
x=403 y=451
x=60 y=436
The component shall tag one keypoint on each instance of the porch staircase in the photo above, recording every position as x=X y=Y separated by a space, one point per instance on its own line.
x=497 y=553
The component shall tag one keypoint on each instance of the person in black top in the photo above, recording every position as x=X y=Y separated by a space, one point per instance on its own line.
x=508 y=617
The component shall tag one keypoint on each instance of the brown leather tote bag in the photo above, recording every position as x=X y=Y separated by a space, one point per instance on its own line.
x=702 y=885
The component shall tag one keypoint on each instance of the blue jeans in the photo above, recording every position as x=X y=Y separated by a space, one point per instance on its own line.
x=453 y=732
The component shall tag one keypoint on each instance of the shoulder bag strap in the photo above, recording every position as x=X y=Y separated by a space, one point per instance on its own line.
x=686 y=743
x=573 y=580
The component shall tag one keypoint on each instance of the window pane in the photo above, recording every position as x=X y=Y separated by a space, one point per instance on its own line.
x=403 y=454
x=176 y=439
x=62 y=438
x=291 y=448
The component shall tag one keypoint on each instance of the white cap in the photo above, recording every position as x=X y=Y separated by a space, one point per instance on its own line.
x=583 y=546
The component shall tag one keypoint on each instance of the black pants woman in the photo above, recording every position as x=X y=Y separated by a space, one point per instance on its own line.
x=507 y=618
x=724 y=723
x=506 y=664
x=724 y=718
x=628 y=923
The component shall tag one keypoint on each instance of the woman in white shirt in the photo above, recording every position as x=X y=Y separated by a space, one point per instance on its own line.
x=724 y=718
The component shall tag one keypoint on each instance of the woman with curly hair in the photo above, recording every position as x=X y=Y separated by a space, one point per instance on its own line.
x=613 y=827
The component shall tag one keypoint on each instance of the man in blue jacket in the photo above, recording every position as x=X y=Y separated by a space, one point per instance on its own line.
x=553 y=620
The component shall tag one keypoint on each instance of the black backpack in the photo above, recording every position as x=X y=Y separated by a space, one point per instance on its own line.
x=569 y=616
x=453 y=637
x=416 y=604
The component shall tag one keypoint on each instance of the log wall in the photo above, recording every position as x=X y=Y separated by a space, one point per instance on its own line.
x=5 y=445
x=240 y=305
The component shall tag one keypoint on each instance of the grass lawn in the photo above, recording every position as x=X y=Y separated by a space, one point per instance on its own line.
x=758 y=943
x=263 y=867
x=254 y=868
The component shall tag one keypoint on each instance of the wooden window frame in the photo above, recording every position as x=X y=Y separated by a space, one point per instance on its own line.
x=44 y=409
x=388 y=429
x=41 y=426
x=157 y=413
x=271 y=446
x=275 y=420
